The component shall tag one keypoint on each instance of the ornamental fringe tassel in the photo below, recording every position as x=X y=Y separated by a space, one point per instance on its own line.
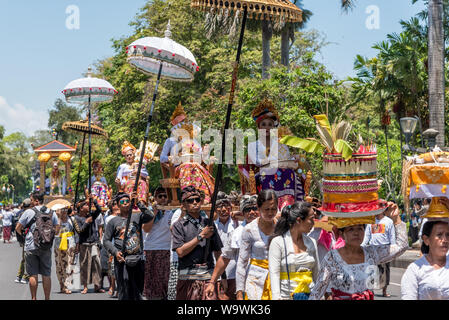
x=260 y=9
x=406 y=180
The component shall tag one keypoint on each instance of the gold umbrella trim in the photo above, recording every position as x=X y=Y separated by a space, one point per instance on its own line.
x=257 y=9
x=82 y=126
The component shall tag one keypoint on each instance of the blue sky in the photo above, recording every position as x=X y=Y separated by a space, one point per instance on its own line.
x=40 y=55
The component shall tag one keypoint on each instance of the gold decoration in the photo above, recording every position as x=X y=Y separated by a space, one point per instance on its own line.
x=65 y=156
x=346 y=222
x=252 y=182
x=44 y=157
x=127 y=145
x=283 y=10
x=437 y=209
x=265 y=104
x=178 y=112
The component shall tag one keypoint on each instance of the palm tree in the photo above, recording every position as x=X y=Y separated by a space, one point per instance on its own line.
x=436 y=69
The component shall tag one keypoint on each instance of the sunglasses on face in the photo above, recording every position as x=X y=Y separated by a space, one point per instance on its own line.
x=160 y=196
x=192 y=200
x=124 y=201
x=248 y=210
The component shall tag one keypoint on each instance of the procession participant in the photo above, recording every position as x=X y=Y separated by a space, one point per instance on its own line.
x=6 y=216
x=381 y=233
x=293 y=255
x=37 y=254
x=129 y=268
x=99 y=186
x=225 y=226
x=173 y=277
x=64 y=249
x=22 y=276
x=157 y=239
x=428 y=277
x=275 y=172
x=252 y=275
x=88 y=240
x=189 y=241
x=126 y=174
x=230 y=251
x=351 y=270
x=114 y=211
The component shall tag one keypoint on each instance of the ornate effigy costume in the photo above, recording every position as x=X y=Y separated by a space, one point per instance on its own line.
x=185 y=154
x=276 y=165
x=126 y=174
x=100 y=189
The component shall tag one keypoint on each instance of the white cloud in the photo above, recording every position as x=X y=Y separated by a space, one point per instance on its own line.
x=18 y=118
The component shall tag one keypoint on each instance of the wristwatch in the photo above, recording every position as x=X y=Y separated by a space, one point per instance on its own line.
x=199 y=237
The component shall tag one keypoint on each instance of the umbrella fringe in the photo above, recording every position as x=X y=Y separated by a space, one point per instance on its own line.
x=235 y=24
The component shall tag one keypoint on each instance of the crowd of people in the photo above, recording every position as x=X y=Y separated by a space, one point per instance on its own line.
x=254 y=253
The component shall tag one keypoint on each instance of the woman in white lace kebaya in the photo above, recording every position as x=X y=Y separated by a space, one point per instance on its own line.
x=351 y=271
x=428 y=277
x=252 y=276
x=293 y=255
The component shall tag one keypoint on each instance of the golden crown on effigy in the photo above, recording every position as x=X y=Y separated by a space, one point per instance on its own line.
x=350 y=188
x=427 y=176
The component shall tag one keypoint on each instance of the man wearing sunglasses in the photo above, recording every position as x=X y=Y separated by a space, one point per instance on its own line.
x=157 y=241
x=129 y=269
x=189 y=241
x=230 y=251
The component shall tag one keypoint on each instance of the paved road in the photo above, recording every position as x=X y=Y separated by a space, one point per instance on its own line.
x=10 y=255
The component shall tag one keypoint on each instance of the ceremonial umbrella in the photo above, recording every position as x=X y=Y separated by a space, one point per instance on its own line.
x=82 y=126
x=89 y=90
x=279 y=11
x=168 y=59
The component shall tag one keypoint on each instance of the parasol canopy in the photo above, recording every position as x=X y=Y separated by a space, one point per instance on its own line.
x=58 y=204
x=178 y=63
x=82 y=126
x=283 y=10
x=99 y=90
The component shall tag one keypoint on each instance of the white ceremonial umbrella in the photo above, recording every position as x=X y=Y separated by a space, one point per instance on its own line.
x=167 y=59
x=89 y=90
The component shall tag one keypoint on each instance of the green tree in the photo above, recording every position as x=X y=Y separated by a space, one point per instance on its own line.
x=60 y=113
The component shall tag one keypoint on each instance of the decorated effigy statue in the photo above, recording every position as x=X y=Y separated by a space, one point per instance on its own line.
x=427 y=176
x=276 y=169
x=127 y=172
x=182 y=156
x=99 y=186
x=55 y=178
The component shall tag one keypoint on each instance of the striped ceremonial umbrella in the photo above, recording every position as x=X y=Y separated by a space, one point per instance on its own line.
x=82 y=126
x=168 y=59
x=279 y=11
x=89 y=90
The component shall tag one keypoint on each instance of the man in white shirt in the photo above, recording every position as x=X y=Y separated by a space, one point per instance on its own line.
x=157 y=242
x=378 y=234
x=225 y=226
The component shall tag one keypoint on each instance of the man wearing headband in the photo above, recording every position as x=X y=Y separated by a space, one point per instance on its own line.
x=130 y=268
x=189 y=241
x=230 y=251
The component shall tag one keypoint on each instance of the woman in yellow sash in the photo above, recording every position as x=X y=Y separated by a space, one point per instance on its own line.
x=64 y=249
x=293 y=255
x=252 y=276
